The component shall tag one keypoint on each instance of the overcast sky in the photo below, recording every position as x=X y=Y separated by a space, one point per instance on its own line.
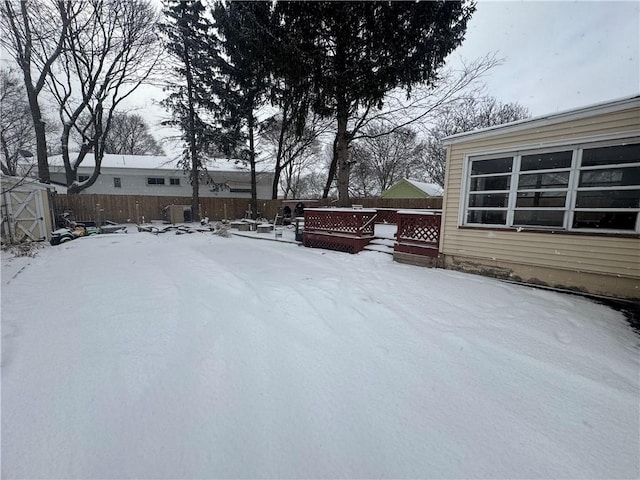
x=557 y=55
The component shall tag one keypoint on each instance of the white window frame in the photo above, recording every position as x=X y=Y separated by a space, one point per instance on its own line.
x=572 y=188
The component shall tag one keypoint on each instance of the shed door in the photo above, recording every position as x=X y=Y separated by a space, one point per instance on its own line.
x=26 y=212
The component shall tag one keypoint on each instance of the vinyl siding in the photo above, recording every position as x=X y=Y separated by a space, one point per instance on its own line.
x=134 y=182
x=403 y=190
x=608 y=255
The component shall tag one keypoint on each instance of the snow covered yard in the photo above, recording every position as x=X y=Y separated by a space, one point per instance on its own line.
x=196 y=356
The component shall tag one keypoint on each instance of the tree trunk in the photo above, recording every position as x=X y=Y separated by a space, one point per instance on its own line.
x=39 y=130
x=41 y=149
x=342 y=156
x=252 y=163
x=277 y=171
x=278 y=166
x=332 y=169
x=193 y=149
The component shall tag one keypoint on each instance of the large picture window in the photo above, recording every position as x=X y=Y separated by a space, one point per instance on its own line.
x=586 y=188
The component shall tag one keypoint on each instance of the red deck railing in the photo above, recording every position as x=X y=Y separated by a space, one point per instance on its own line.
x=350 y=230
x=342 y=229
x=418 y=232
x=387 y=215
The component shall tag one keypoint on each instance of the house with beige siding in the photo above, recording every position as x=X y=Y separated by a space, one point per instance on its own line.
x=552 y=200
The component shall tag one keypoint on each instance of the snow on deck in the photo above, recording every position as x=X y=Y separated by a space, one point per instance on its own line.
x=197 y=356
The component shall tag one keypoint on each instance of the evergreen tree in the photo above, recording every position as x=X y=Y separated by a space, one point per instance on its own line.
x=187 y=30
x=242 y=81
x=356 y=52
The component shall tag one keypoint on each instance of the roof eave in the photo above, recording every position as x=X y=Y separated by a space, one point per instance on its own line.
x=621 y=104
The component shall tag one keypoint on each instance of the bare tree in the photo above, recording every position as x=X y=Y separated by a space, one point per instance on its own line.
x=290 y=151
x=34 y=33
x=17 y=135
x=111 y=48
x=128 y=135
x=310 y=185
x=379 y=161
x=465 y=115
x=419 y=109
x=17 y=139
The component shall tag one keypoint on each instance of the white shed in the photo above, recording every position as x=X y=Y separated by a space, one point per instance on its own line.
x=25 y=210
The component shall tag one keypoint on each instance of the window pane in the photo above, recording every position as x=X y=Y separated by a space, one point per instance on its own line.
x=611 y=155
x=541 y=199
x=491 y=217
x=543 y=161
x=494 y=165
x=608 y=199
x=614 y=177
x=543 y=180
x=489 y=200
x=490 y=183
x=117 y=183
x=542 y=218
x=609 y=220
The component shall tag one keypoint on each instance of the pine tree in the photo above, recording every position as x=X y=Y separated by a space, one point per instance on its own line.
x=187 y=31
x=242 y=81
x=356 y=52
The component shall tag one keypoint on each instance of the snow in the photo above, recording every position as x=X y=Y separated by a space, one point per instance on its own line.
x=420 y=212
x=340 y=209
x=148 y=162
x=431 y=189
x=198 y=356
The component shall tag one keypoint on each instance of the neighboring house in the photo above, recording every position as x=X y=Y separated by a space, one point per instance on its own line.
x=25 y=210
x=406 y=188
x=553 y=200
x=158 y=176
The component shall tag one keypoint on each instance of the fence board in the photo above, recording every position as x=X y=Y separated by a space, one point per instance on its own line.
x=139 y=208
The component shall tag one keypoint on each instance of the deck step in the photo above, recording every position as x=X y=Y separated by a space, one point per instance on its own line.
x=376 y=247
x=383 y=241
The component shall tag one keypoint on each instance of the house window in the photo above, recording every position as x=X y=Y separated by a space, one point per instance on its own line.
x=174 y=181
x=608 y=190
x=117 y=183
x=239 y=190
x=83 y=178
x=590 y=188
x=155 y=181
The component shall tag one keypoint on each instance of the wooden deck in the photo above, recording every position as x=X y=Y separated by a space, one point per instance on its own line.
x=352 y=229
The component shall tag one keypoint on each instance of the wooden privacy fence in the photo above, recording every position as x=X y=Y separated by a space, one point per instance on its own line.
x=139 y=208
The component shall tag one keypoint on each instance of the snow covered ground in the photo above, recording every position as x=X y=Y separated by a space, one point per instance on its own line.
x=197 y=356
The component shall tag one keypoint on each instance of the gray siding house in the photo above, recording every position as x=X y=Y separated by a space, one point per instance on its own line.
x=157 y=175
